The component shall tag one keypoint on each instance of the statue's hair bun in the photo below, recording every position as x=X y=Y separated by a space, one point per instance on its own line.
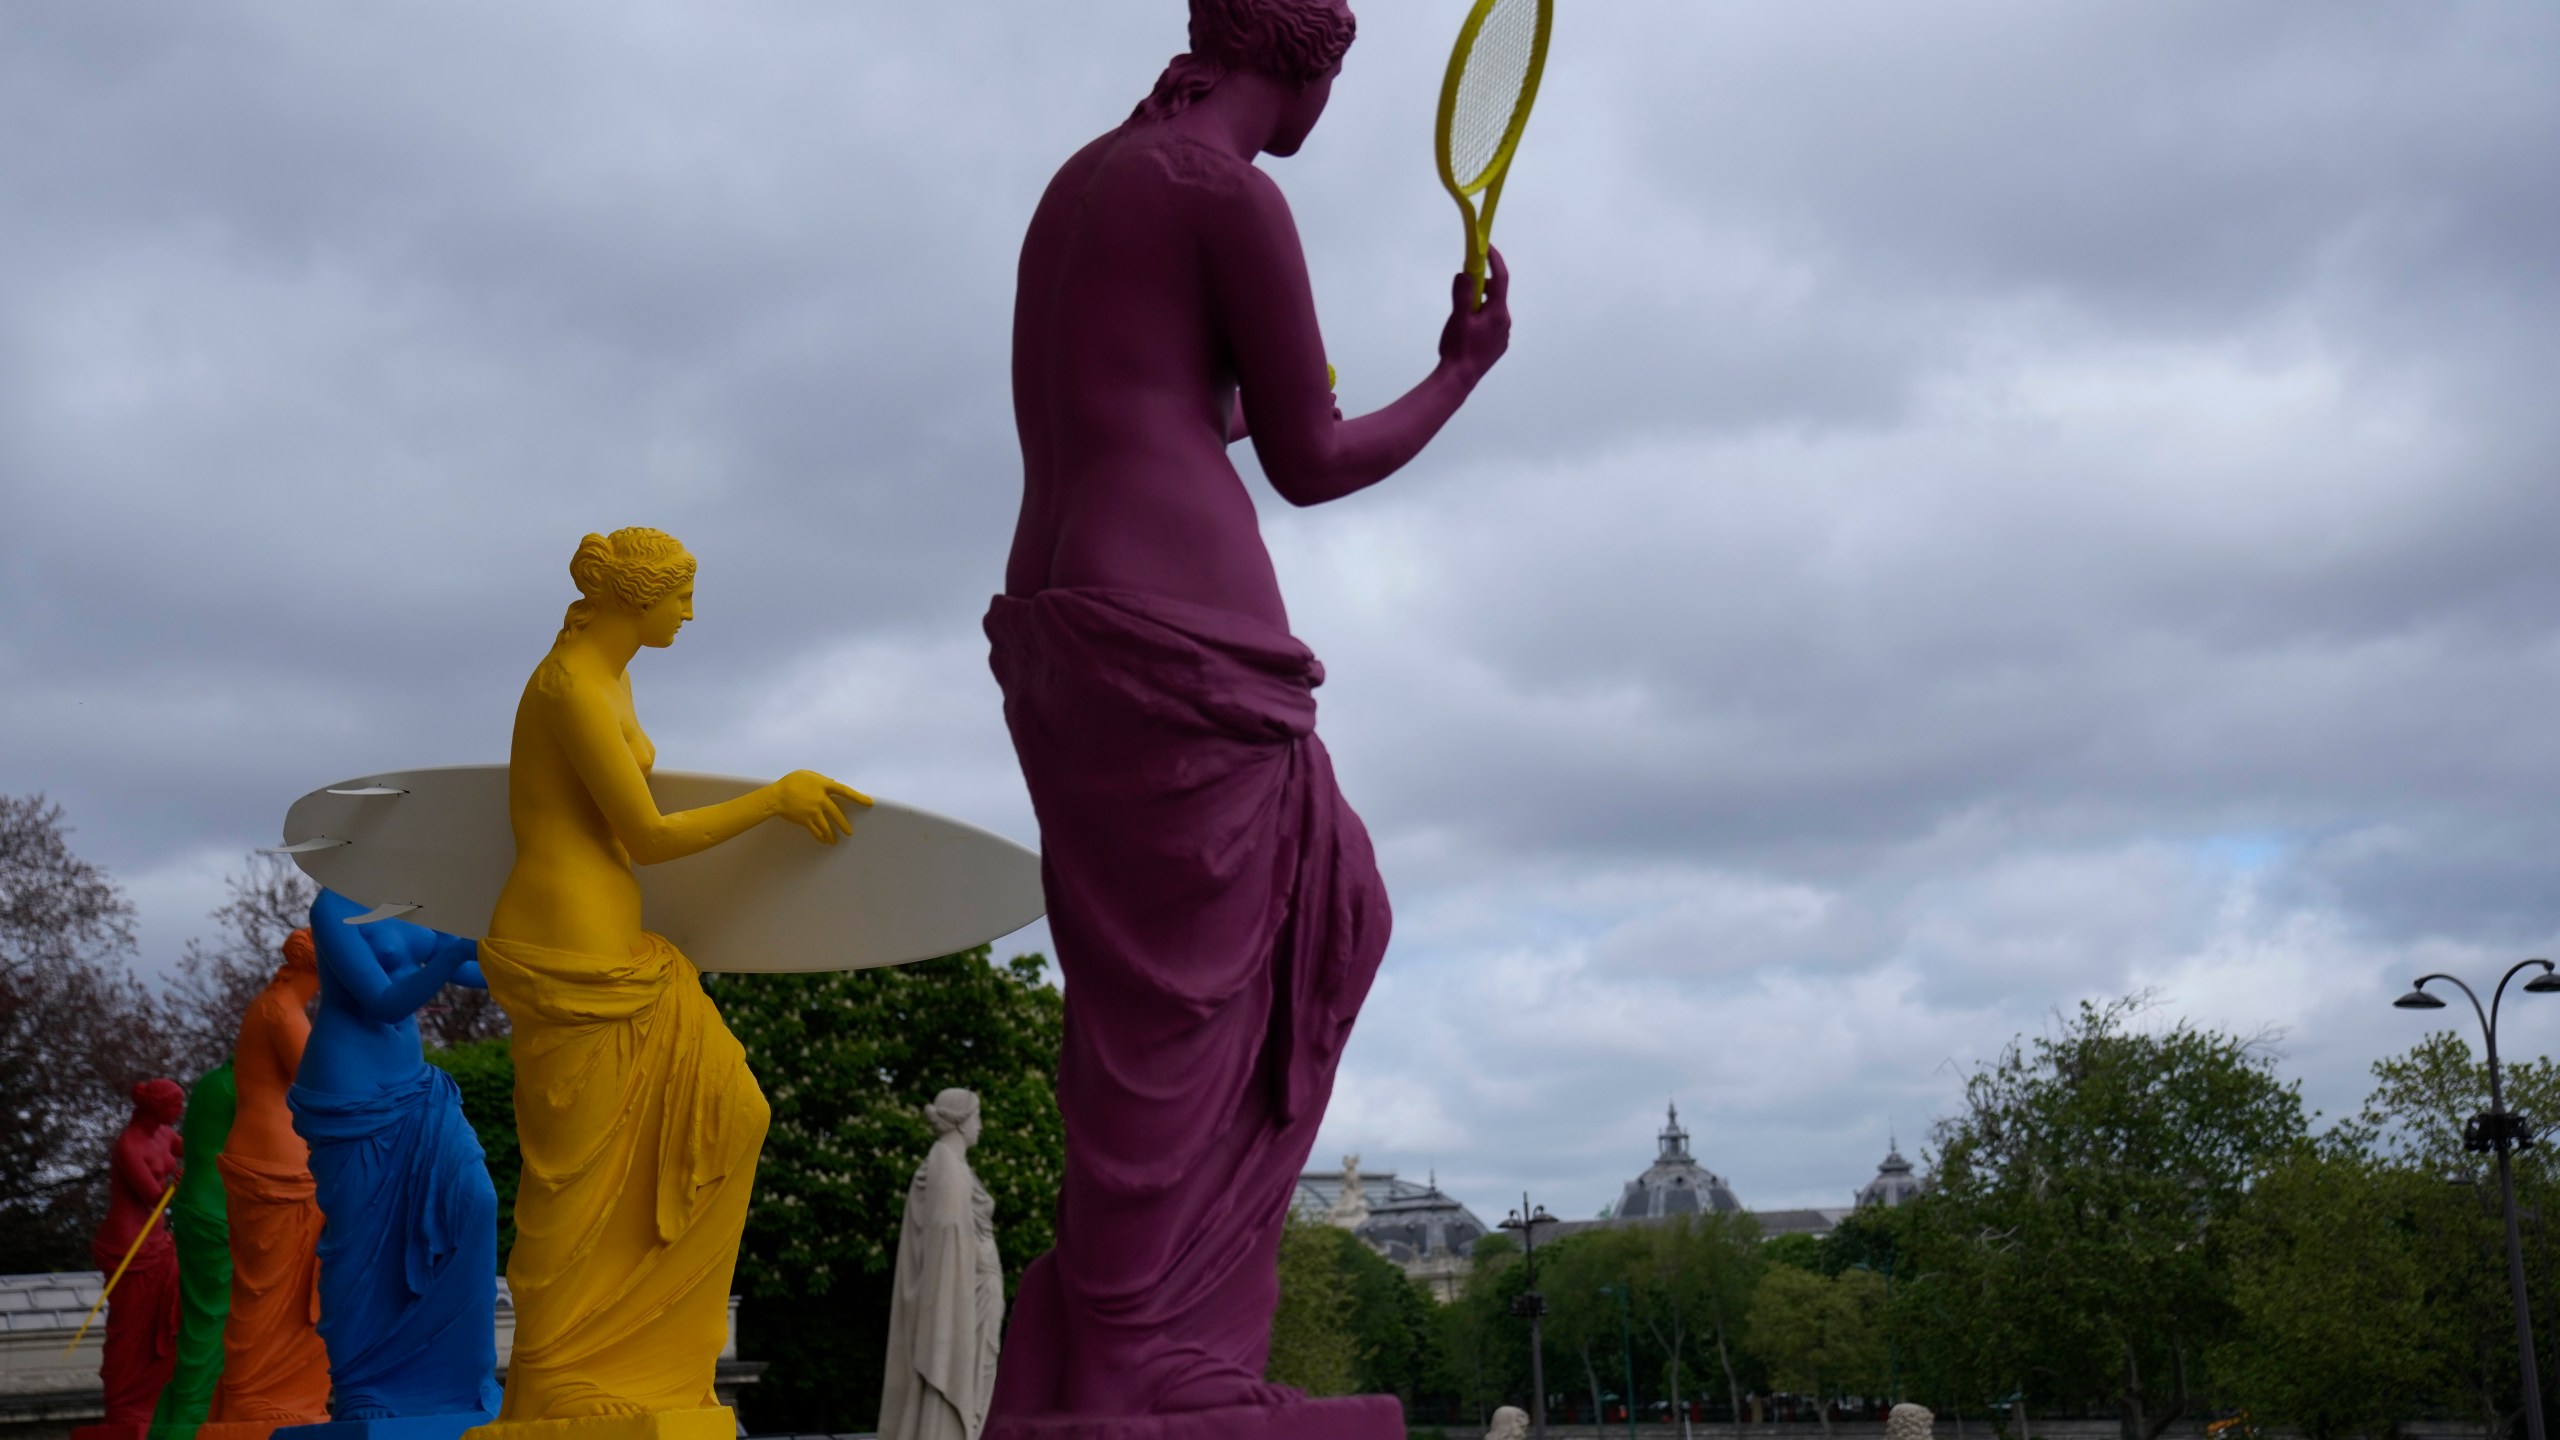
x=634 y=566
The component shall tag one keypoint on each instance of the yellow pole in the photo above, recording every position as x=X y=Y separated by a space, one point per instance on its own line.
x=110 y=1287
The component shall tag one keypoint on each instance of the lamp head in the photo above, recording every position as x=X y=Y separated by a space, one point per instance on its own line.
x=2546 y=983
x=2418 y=1000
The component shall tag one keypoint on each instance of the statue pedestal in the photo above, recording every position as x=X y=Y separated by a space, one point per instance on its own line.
x=397 y=1427
x=1348 y=1417
x=709 y=1422
x=245 y=1429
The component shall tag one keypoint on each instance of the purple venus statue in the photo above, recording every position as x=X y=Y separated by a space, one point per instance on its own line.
x=1215 y=904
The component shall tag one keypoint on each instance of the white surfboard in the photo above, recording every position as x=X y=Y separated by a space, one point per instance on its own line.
x=434 y=846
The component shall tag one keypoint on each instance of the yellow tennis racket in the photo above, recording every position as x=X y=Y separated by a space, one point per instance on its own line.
x=1484 y=105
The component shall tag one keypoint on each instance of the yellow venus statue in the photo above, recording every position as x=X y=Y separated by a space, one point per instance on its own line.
x=639 y=1121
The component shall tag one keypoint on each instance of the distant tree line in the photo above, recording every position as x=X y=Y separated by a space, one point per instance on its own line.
x=2130 y=1220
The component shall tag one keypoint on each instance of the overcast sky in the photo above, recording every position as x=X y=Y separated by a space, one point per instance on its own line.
x=1989 y=504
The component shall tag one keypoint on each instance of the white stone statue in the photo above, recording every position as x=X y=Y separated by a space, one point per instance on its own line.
x=1509 y=1423
x=1909 y=1422
x=946 y=1313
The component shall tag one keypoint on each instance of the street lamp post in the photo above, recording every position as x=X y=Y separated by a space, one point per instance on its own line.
x=1529 y=1302
x=2500 y=1130
x=1627 y=1338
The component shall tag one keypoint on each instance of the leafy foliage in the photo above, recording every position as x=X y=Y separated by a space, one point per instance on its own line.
x=1803 y=1252
x=1693 y=1285
x=2084 y=1191
x=1820 y=1334
x=2412 y=1123
x=1312 y=1344
x=76 y=1031
x=2343 y=1319
x=1589 y=1324
x=1349 y=1322
x=1390 y=1320
x=848 y=1062
x=268 y=900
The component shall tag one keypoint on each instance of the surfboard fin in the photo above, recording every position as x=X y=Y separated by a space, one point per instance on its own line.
x=305 y=847
x=383 y=911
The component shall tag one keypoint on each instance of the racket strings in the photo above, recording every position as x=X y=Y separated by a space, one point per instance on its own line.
x=1491 y=88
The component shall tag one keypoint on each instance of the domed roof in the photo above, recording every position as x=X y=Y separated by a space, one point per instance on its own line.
x=1675 y=1184
x=1406 y=1227
x=1894 y=1182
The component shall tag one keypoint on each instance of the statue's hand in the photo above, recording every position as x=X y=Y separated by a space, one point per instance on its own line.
x=814 y=803
x=1474 y=339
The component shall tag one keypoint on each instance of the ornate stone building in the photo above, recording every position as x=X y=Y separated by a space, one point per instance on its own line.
x=1675 y=1183
x=1430 y=1236
x=1426 y=1233
x=1894 y=1182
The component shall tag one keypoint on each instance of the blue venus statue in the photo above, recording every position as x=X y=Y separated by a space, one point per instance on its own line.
x=408 y=1257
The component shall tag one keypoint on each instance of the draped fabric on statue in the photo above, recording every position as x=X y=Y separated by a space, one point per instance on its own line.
x=203 y=1235
x=409 y=1256
x=141 y=1344
x=640 y=1126
x=1218 y=918
x=273 y=1367
x=946 y=1307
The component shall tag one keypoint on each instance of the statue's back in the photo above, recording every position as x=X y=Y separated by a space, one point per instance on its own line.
x=1123 y=380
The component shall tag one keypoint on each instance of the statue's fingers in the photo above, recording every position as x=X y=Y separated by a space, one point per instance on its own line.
x=843 y=791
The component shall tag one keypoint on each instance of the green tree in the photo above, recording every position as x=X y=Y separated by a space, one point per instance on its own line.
x=1692 y=1281
x=1820 y=1336
x=2413 y=1121
x=1801 y=1251
x=1583 y=1277
x=2091 y=1173
x=1953 y=1322
x=76 y=1031
x=1483 y=1349
x=2345 y=1326
x=1312 y=1344
x=267 y=899
x=1390 y=1320
x=848 y=1061
x=2421 y=1101
x=1867 y=1238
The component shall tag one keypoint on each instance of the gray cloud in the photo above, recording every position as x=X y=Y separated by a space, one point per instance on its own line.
x=1989 y=505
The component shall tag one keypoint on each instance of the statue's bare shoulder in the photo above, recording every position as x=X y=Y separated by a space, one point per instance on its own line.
x=552 y=679
x=1200 y=168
